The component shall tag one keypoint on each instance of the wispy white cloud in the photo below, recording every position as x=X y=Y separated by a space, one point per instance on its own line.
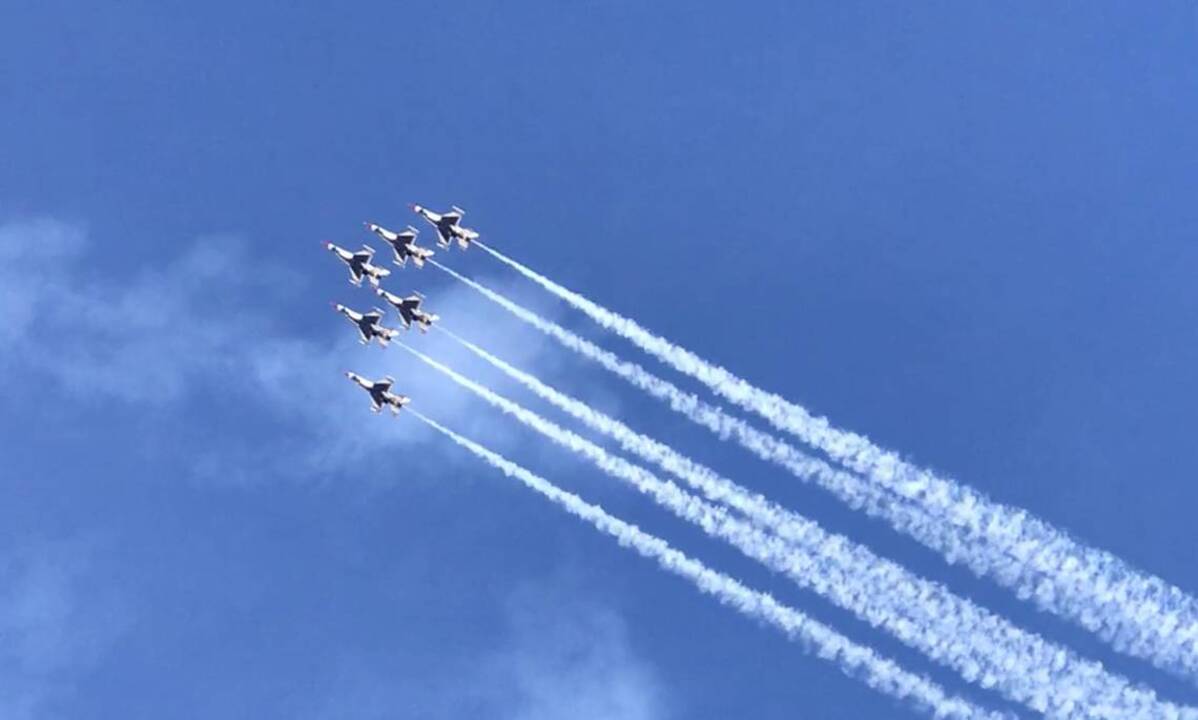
x=213 y=319
x=560 y=654
x=573 y=663
x=57 y=620
x=144 y=338
x=29 y=253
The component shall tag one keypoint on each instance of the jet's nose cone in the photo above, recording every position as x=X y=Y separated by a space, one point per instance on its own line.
x=416 y=208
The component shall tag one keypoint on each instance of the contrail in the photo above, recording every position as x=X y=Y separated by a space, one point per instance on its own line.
x=881 y=674
x=1010 y=561
x=980 y=646
x=1137 y=613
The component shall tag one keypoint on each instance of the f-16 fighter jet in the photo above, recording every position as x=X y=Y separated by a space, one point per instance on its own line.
x=409 y=310
x=380 y=393
x=359 y=264
x=368 y=325
x=403 y=243
x=448 y=227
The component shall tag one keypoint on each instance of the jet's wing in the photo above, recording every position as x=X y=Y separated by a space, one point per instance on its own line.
x=373 y=317
x=383 y=385
x=411 y=302
x=355 y=272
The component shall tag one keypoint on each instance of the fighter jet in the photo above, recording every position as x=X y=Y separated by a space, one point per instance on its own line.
x=359 y=264
x=403 y=243
x=448 y=227
x=380 y=393
x=409 y=310
x=368 y=325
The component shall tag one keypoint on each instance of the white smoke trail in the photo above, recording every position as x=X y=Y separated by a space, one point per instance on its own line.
x=1011 y=569
x=982 y=647
x=861 y=662
x=1137 y=613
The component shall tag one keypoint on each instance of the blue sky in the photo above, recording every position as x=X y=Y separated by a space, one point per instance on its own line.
x=964 y=230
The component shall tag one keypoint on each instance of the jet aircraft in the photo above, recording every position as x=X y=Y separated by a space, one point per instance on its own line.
x=368 y=324
x=380 y=393
x=403 y=243
x=359 y=264
x=448 y=226
x=409 y=309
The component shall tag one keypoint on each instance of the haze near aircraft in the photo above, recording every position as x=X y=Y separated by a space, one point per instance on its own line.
x=368 y=324
x=380 y=393
x=448 y=225
x=409 y=309
x=403 y=243
x=359 y=264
